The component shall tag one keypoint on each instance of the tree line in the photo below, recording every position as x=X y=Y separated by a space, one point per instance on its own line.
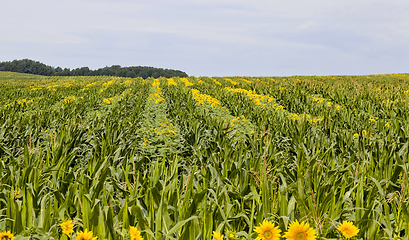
x=35 y=67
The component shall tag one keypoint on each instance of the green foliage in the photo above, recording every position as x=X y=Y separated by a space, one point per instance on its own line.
x=35 y=67
x=73 y=148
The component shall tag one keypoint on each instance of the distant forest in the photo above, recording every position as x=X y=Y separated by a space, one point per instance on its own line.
x=34 y=67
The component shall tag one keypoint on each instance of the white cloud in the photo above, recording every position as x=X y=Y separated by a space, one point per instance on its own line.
x=222 y=35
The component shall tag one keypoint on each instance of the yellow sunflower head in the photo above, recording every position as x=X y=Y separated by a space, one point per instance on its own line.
x=6 y=236
x=217 y=235
x=67 y=227
x=135 y=233
x=267 y=231
x=348 y=229
x=85 y=235
x=231 y=235
x=300 y=231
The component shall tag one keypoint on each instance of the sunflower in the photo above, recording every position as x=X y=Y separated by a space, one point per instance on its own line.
x=135 y=234
x=85 y=235
x=16 y=193
x=267 y=231
x=217 y=235
x=66 y=227
x=300 y=231
x=231 y=235
x=348 y=229
x=6 y=236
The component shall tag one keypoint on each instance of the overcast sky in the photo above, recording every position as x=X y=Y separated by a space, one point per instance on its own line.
x=212 y=38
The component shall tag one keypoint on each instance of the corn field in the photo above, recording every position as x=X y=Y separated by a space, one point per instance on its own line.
x=182 y=158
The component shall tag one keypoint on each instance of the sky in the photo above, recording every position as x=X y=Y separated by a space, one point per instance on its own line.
x=212 y=38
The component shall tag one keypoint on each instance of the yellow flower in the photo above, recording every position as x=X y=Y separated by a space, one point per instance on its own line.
x=217 y=235
x=6 y=236
x=364 y=132
x=348 y=229
x=67 y=227
x=387 y=125
x=231 y=236
x=107 y=101
x=300 y=231
x=267 y=231
x=135 y=234
x=16 y=193
x=85 y=235
x=356 y=135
